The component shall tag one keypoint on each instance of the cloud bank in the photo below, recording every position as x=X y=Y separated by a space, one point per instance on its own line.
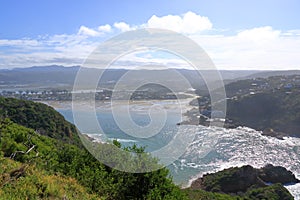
x=253 y=48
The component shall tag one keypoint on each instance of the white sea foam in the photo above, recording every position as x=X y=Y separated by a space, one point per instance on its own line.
x=98 y=138
x=215 y=149
x=294 y=190
x=123 y=140
x=241 y=146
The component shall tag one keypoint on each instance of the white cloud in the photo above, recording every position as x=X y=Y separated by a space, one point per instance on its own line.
x=83 y=30
x=189 y=23
x=47 y=50
x=122 y=26
x=257 y=48
x=136 y=61
x=90 y=32
x=260 y=34
x=19 y=42
x=105 y=28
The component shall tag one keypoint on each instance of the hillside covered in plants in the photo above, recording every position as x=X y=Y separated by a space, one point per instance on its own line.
x=41 y=157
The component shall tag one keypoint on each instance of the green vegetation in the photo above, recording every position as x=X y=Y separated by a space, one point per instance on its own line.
x=56 y=157
x=275 y=191
x=203 y=195
x=271 y=105
x=21 y=181
x=40 y=117
x=278 y=111
x=39 y=159
x=245 y=183
x=268 y=104
x=65 y=158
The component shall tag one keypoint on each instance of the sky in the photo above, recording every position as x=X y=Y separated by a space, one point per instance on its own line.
x=253 y=34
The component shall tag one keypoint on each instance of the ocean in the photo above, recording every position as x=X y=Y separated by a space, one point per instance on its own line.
x=229 y=147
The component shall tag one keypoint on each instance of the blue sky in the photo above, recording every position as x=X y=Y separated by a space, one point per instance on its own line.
x=54 y=29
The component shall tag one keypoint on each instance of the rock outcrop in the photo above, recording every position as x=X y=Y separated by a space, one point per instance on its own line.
x=277 y=174
x=238 y=180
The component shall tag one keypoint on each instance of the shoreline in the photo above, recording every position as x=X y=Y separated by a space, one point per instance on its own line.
x=193 y=117
x=169 y=104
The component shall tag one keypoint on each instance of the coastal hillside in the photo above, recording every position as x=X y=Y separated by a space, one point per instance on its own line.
x=40 y=117
x=41 y=165
x=34 y=154
x=271 y=105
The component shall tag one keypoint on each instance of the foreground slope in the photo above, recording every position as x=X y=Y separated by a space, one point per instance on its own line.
x=21 y=181
x=63 y=156
x=53 y=165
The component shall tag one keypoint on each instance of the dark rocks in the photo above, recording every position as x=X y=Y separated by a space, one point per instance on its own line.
x=270 y=132
x=239 y=180
x=277 y=174
x=232 y=180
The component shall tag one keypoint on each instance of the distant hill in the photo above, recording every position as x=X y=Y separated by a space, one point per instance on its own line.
x=59 y=76
x=50 y=68
x=266 y=74
x=39 y=76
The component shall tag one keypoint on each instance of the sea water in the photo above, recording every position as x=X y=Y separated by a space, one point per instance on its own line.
x=229 y=147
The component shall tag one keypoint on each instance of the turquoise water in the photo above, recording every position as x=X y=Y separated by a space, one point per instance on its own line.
x=112 y=131
x=234 y=147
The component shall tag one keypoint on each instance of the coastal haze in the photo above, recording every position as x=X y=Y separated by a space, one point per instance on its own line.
x=60 y=77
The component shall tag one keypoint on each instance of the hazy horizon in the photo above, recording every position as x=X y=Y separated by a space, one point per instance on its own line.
x=128 y=68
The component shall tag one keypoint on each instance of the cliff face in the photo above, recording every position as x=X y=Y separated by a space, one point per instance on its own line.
x=271 y=105
x=274 y=113
x=241 y=180
x=268 y=104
